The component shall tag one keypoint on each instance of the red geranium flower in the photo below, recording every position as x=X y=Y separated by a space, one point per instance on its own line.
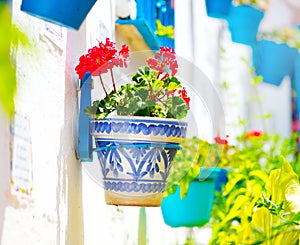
x=102 y=58
x=221 y=141
x=253 y=134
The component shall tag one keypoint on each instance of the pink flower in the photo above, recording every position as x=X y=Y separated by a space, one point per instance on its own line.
x=164 y=61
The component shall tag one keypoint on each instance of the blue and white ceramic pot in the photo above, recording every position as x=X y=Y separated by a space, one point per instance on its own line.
x=136 y=155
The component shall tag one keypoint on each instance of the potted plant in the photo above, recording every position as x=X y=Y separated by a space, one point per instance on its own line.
x=137 y=127
x=244 y=19
x=275 y=53
x=188 y=200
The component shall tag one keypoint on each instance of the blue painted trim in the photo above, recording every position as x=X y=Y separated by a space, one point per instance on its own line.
x=84 y=137
x=145 y=30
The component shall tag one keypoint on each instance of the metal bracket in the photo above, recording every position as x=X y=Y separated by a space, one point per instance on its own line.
x=85 y=150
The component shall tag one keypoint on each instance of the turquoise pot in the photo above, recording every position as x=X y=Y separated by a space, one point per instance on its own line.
x=218 y=8
x=273 y=61
x=67 y=13
x=296 y=83
x=243 y=23
x=195 y=208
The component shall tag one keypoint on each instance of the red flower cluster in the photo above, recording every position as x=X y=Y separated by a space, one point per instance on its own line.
x=253 y=134
x=221 y=141
x=164 y=61
x=185 y=97
x=102 y=58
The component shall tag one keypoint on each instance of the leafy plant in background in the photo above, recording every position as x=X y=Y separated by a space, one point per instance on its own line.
x=260 y=4
x=287 y=35
x=252 y=160
x=10 y=36
x=195 y=153
x=154 y=91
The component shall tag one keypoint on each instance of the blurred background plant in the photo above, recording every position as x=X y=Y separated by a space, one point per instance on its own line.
x=287 y=35
x=10 y=38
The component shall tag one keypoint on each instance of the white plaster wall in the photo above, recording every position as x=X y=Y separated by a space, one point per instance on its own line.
x=46 y=93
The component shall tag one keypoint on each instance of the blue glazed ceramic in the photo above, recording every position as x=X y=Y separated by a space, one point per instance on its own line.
x=218 y=8
x=136 y=155
x=195 y=208
x=243 y=23
x=67 y=13
x=273 y=61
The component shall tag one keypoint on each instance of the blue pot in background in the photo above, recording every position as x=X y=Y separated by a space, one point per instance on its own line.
x=296 y=83
x=273 y=61
x=195 y=208
x=243 y=23
x=218 y=8
x=67 y=13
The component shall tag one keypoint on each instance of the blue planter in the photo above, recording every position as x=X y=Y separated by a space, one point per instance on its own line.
x=136 y=155
x=296 y=83
x=67 y=13
x=243 y=23
x=195 y=208
x=218 y=8
x=273 y=61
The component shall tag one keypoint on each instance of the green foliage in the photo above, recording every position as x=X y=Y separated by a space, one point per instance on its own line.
x=10 y=36
x=260 y=4
x=287 y=35
x=147 y=96
x=195 y=153
x=258 y=196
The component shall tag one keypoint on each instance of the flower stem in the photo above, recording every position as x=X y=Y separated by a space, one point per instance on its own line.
x=113 y=80
x=106 y=94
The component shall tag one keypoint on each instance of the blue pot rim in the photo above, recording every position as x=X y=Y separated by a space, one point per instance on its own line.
x=142 y=119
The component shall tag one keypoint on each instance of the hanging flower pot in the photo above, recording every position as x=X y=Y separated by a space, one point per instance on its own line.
x=137 y=127
x=273 y=61
x=217 y=8
x=195 y=208
x=243 y=23
x=67 y=13
x=296 y=85
x=135 y=155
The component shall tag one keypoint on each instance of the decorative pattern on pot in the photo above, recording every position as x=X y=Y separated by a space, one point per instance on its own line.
x=243 y=23
x=136 y=155
x=217 y=8
x=273 y=61
x=195 y=208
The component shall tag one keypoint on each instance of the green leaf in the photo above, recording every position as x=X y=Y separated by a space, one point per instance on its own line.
x=177 y=107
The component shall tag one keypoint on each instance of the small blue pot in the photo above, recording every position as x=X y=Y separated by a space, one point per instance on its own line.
x=136 y=154
x=296 y=83
x=67 y=13
x=243 y=23
x=218 y=8
x=273 y=61
x=195 y=208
